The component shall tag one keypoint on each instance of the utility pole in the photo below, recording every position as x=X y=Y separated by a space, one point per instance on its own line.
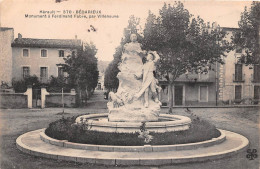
x=216 y=74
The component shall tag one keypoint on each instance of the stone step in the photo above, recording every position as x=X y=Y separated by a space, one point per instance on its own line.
x=31 y=143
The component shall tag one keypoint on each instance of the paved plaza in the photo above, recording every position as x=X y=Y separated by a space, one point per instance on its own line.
x=15 y=122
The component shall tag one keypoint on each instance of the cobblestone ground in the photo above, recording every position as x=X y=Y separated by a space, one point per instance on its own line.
x=14 y=122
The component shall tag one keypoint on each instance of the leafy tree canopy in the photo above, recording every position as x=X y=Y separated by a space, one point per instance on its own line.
x=248 y=36
x=183 y=42
x=82 y=67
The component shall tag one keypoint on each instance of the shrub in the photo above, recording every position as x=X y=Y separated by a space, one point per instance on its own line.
x=20 y=86
x=4 y=85
x=57 y=83
x=64 y=129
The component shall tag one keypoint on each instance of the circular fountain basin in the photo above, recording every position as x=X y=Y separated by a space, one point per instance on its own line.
x=166 y=123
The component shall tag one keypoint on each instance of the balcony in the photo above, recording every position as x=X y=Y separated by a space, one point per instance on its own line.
x=239 y=78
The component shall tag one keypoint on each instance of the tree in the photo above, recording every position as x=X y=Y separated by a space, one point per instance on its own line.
x=184 y=43
x=21 y=85
x=111 y=81
x=81 y=67
x=248 y=36
x=56 y=84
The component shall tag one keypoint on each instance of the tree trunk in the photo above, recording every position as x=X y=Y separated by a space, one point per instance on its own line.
x=258 y=44
x=170 y=98
x=78 y=97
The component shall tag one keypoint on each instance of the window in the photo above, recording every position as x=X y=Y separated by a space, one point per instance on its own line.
x=60 y=72
x=238 y=72
x=43 y=53
x=61 y=53
x=256 y=73
x=25 y=71
x=25 y=52
x=164 y=95
x=203 y=93
x=256 y=92
x=238 y=92
x=43 y=73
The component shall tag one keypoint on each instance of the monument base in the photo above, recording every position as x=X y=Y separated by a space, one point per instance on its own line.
x=134 y=113
x=132 y=116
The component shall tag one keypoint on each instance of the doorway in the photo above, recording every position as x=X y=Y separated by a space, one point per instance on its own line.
x=178 y=95
x=36 y=98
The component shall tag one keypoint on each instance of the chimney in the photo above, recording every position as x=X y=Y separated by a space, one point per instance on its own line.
x=19 y=36
x=76 y=36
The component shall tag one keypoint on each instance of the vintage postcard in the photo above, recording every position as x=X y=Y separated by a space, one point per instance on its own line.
x=129 y=84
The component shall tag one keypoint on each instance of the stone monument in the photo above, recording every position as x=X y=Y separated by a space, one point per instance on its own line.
x=136 y=99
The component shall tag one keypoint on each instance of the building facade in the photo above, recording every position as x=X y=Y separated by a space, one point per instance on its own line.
x=231 y=83
x=41 y=57
x=191 y=90
x=238 y=83
x=7 y=37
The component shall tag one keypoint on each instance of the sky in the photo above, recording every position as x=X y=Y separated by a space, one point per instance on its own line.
x=109 y=31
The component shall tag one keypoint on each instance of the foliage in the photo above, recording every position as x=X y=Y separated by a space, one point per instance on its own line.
x=248 y=35
x=65 y=129
x=20 y=86
x=132 y=27
x=184 y=43
x=81 y=67
x=4 y=85
x=83 y=123
x=111 y=81
x=57 y=83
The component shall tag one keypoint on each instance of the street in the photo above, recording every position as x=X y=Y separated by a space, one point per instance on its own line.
x=15 y=122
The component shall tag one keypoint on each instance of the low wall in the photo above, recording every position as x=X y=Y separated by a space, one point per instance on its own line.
x=55 y=100
x=13 y=101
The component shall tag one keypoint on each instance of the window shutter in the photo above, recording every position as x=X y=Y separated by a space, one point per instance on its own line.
x=238 y=72
x=238 y=92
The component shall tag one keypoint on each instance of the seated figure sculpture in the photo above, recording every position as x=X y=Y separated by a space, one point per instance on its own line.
x=124 y=105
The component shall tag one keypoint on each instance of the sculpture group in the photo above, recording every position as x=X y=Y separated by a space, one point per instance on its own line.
x=137 y=96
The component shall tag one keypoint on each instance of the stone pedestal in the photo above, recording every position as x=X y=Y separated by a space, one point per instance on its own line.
x=134 y=113
x=29 y=96
x=43 y=96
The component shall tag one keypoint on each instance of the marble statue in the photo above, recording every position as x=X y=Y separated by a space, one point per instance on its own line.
x=149 y=81
x=136 y=98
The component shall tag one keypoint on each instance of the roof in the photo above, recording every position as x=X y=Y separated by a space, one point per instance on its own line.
x=5 y=28
x=47 y=43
